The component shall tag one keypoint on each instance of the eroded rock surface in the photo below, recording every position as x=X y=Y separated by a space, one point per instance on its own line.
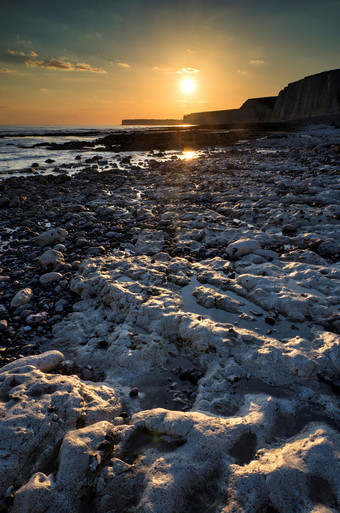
x=202 y=367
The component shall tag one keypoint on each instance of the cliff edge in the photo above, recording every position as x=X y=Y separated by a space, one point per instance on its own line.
x=316 y=95
x=312 y=97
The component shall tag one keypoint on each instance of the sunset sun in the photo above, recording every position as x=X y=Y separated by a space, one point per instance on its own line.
x=188 y=85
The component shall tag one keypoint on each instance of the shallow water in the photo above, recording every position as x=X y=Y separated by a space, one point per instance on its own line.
x=17 y=151
x=282 y=329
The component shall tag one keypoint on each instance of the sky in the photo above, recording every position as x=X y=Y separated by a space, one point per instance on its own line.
x=96 y=62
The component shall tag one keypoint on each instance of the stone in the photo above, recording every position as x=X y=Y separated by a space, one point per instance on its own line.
x=52 y=236
x=328 y=248
x=22 y=297
x=149 y=242
x=3 y=325
x=289 y=229
x=45 y=362
x=4 y=202
x=50 y=277
x=51 y=258
x=242 y=247
x=36 y=318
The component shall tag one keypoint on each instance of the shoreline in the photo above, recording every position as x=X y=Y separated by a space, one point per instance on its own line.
x=197 y=303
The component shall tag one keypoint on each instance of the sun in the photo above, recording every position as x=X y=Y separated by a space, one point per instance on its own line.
x=188 y=85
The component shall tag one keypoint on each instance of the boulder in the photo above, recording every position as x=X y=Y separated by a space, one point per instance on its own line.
x=52 y=236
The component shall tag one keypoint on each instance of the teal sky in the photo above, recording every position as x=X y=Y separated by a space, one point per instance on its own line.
x=86 y=62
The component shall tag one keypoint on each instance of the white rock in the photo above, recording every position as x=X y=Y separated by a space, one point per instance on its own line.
x=242 y=247
x=51 y=258
x=52 y=236
x=45 y=362
x=22 y=297
x=50 y=277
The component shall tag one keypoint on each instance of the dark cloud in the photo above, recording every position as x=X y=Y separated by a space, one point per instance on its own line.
x=32 y=59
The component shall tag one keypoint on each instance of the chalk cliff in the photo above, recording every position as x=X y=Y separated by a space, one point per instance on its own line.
x=311 y=97
x=316 y=95
x=253 y=110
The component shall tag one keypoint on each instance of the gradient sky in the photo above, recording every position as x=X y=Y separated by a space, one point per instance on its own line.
x=95 y=62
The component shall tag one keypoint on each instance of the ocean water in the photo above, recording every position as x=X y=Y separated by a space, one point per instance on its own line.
x=17 y=151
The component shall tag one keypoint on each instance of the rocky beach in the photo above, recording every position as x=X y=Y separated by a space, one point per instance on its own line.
x=170 y=324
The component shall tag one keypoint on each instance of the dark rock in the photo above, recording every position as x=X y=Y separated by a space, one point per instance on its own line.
x=270 y=320
x=328 y=248
x=103 y=344
x=289 y=229
x=133 y=392
x=4 y=202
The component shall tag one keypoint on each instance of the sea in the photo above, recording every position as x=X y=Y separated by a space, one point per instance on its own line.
x=18 y=150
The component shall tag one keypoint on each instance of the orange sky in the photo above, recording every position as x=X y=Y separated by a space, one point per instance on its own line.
x=95 y=63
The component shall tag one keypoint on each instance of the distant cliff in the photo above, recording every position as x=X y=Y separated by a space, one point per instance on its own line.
x=253 y=110
x=311 y=97
x=316 y=95
x=152 y=122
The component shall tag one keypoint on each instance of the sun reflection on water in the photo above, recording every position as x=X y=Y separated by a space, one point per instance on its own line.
x=189 y=155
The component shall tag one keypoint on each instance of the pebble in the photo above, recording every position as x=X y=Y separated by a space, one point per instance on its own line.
x=50 y=277
x=133 y=392
x=22 y=297
x=3 y=325
x=51 y=258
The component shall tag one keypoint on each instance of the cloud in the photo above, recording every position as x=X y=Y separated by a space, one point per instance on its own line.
x=6 y=70
x=256 y=61
x=62 y=65
x=242 y=72
x=178 y=71
x=123 y=64
x=188 y=70
x=22 y=54
x=32 y=59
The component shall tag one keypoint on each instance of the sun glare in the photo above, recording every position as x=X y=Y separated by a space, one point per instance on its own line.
x=188 y=85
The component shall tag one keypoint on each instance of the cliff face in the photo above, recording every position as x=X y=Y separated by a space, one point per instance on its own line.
x=252 y=111
x=317 y=95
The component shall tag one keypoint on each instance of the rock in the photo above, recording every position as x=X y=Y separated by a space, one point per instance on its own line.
x=311 y=96
x=289 y=229
x=81 y=242
x=60 y=247
x=36 y=318
x=51 y=258
x=328 y=248
x=22 y=297
x=47 y=411
x=150 y=242
x=242 y=247
x=52 y=236
x=3 y=325
x=45 y=362
x=4 y=202
x=50 y=277
x=133 y=392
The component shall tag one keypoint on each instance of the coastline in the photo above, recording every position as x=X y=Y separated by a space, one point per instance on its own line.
x=196 y=302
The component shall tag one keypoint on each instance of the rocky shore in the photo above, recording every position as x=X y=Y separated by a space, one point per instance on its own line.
x=170 y=332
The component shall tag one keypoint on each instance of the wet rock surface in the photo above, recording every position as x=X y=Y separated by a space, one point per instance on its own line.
x=190 y=314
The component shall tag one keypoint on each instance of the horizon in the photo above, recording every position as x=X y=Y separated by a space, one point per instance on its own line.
x=97 y=65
